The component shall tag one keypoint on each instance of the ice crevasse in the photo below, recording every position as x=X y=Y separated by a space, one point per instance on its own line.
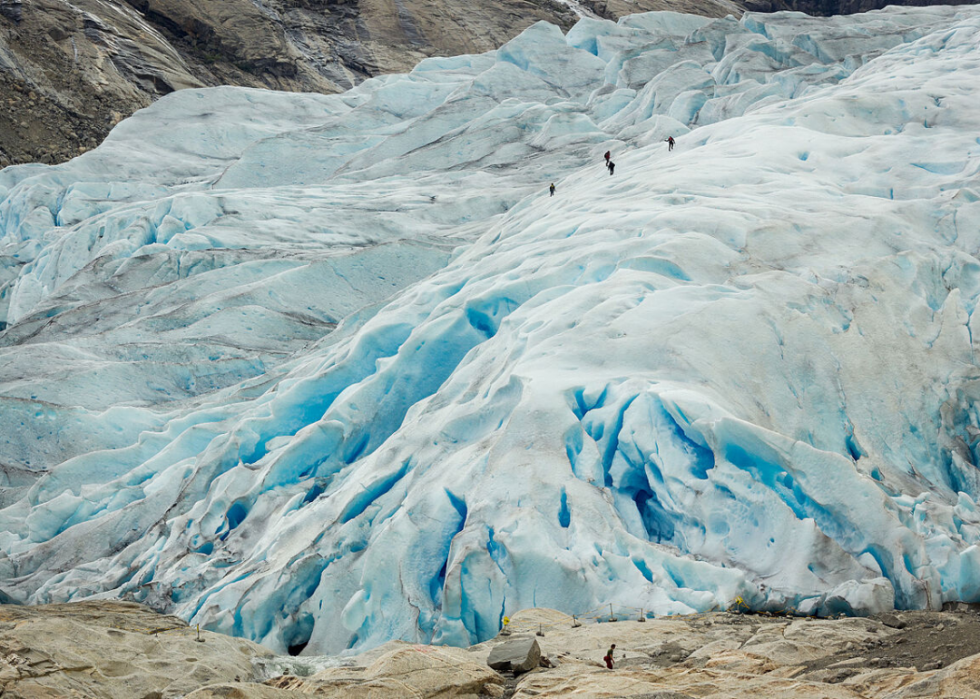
x=335 y=370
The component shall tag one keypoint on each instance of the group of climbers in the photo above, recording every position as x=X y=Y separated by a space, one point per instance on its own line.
x=611 y=166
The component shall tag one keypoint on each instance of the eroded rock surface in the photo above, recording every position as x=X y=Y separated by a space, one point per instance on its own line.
x=731 y=655
x=116 y=649
x=401 y=670
x=112 y=650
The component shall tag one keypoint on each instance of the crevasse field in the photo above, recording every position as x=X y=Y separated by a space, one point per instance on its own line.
x=337 y=370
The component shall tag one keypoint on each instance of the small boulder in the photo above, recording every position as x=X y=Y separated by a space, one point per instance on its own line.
x=893 y=621
x=519 y=654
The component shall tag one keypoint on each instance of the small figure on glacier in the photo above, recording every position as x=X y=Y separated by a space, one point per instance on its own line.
x=608 y=156
x=612 y=166
x=552 y=189
x=670 y=143
x=608 y=658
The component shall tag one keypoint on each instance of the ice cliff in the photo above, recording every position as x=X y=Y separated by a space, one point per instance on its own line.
x=336 y=369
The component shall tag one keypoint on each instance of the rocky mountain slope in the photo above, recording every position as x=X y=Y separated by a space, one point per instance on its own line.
x=70 y=71
x=110 y=650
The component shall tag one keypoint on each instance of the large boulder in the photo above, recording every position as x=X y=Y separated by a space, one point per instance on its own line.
x=516 y=655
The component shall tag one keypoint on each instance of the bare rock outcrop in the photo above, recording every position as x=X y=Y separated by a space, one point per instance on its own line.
x=67 y=75
x=109 y=650
x=402 y=670
x=112 y=650
x=757 y=657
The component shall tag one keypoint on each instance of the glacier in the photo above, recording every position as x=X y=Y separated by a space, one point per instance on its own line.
x=327 y=371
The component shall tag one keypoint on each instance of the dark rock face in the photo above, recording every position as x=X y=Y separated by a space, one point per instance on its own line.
x=12 y=9
x=67 y=76
x=517 y=655
x=826 y=8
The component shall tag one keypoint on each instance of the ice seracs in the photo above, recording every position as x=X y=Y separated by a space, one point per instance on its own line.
x=337 y=370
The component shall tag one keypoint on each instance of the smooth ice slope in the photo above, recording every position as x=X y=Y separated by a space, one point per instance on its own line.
x=741 y=368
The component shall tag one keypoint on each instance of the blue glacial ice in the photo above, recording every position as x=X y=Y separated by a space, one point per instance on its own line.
x=335 y=370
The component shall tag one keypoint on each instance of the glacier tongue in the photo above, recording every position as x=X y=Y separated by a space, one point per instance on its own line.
x=336 y=369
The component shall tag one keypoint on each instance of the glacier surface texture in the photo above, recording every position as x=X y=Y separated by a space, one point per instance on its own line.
x=338 y=370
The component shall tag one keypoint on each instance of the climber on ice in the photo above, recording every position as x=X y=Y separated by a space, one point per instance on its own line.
x=552 y=189
x=608 y=156
x=670 y=143
x=612 y=166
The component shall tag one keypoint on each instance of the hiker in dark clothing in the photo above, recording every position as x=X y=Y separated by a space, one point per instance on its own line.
x=607 y=156
x=552 y=189
x=612 y=166
x=670 y=143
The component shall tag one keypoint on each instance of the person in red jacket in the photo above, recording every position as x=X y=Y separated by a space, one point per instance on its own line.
x=609 y=656
x=670 y=143
x=608 y=156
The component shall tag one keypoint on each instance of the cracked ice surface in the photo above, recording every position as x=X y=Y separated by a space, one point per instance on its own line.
x=254 y=375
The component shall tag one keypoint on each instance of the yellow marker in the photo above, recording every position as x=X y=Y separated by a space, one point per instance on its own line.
x=506 y=620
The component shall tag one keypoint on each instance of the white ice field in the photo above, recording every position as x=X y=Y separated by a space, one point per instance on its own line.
x=337 y=369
